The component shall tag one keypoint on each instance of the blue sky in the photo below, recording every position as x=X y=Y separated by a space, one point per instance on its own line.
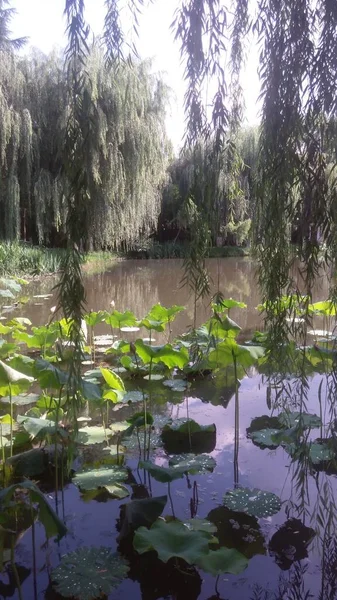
x=42 y=21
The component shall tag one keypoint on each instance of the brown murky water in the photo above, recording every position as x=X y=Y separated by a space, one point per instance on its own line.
x=137 y=285
x=292 y=572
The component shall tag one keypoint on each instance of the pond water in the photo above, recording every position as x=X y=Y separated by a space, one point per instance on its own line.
x=287 y=559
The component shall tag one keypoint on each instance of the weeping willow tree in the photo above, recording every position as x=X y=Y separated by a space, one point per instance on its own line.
x=125 y=149
x=218 y=184
x=295 y=181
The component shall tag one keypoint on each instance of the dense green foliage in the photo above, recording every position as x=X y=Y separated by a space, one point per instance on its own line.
x=221 y=186
x=126 y=150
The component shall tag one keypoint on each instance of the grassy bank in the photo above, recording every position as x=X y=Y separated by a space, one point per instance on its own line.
x=26 y=260
x=180 y=250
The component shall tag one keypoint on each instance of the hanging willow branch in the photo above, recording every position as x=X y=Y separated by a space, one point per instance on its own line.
x=71 y=289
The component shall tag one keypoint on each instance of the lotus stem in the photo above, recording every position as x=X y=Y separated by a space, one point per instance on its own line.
x=170 y=497
x=33 y=547
x=14 y=569
x=236 y=427
x=11 y=423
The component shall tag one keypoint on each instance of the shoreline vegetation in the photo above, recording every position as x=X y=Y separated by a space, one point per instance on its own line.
x=22 y=259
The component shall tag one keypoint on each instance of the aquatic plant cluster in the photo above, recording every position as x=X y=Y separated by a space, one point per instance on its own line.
x=52 y=441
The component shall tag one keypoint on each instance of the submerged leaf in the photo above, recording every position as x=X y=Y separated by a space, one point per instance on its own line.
x=89 y=573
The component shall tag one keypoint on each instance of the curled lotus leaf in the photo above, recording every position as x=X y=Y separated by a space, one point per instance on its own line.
x=172 y=539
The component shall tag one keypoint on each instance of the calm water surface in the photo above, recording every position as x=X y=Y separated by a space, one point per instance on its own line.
x=293 y=575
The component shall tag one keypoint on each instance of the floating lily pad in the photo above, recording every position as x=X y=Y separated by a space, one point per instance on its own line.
x=96 y=373
x=322 y=453
x=193 y=463
x=176 y=385
x=264 y=438
x=43 y=296
x=104 y=340
x=306 y=420
x=133 y=396
x=89 y=573
x=224 y=560
x=92 y=435
x=263 y=422
x=321 y=333
x=255 y=502
x=162 y=474
x=172 y=539
x=98 y=478
x=21 y=399
x=153 y=377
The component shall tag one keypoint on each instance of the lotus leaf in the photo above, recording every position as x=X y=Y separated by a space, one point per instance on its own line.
x=167 y=355
x=265 y=438
x=117 y=319
x=103 y=340
x=37 y=427
x=227 y=304
x=176 y=385
x=227 y=351
x=113 y=380
x=172 y=539
x=200 y=525
x=224 y=560
x=94 y=318
x=92 y=435
x=50 y=376
x=320 y=451
x=10 y=375
x=162 y=474
x=254 y=502
x=193 y=463
x=21 y=399
x=49 y=519
x=133 y=396
x=306 y=420
x=89 y=573
x=6 y=294
x=98 y=478
x=139 y=513
x=263 y=422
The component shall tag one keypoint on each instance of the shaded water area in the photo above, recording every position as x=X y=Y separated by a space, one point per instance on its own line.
x=293 y=552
